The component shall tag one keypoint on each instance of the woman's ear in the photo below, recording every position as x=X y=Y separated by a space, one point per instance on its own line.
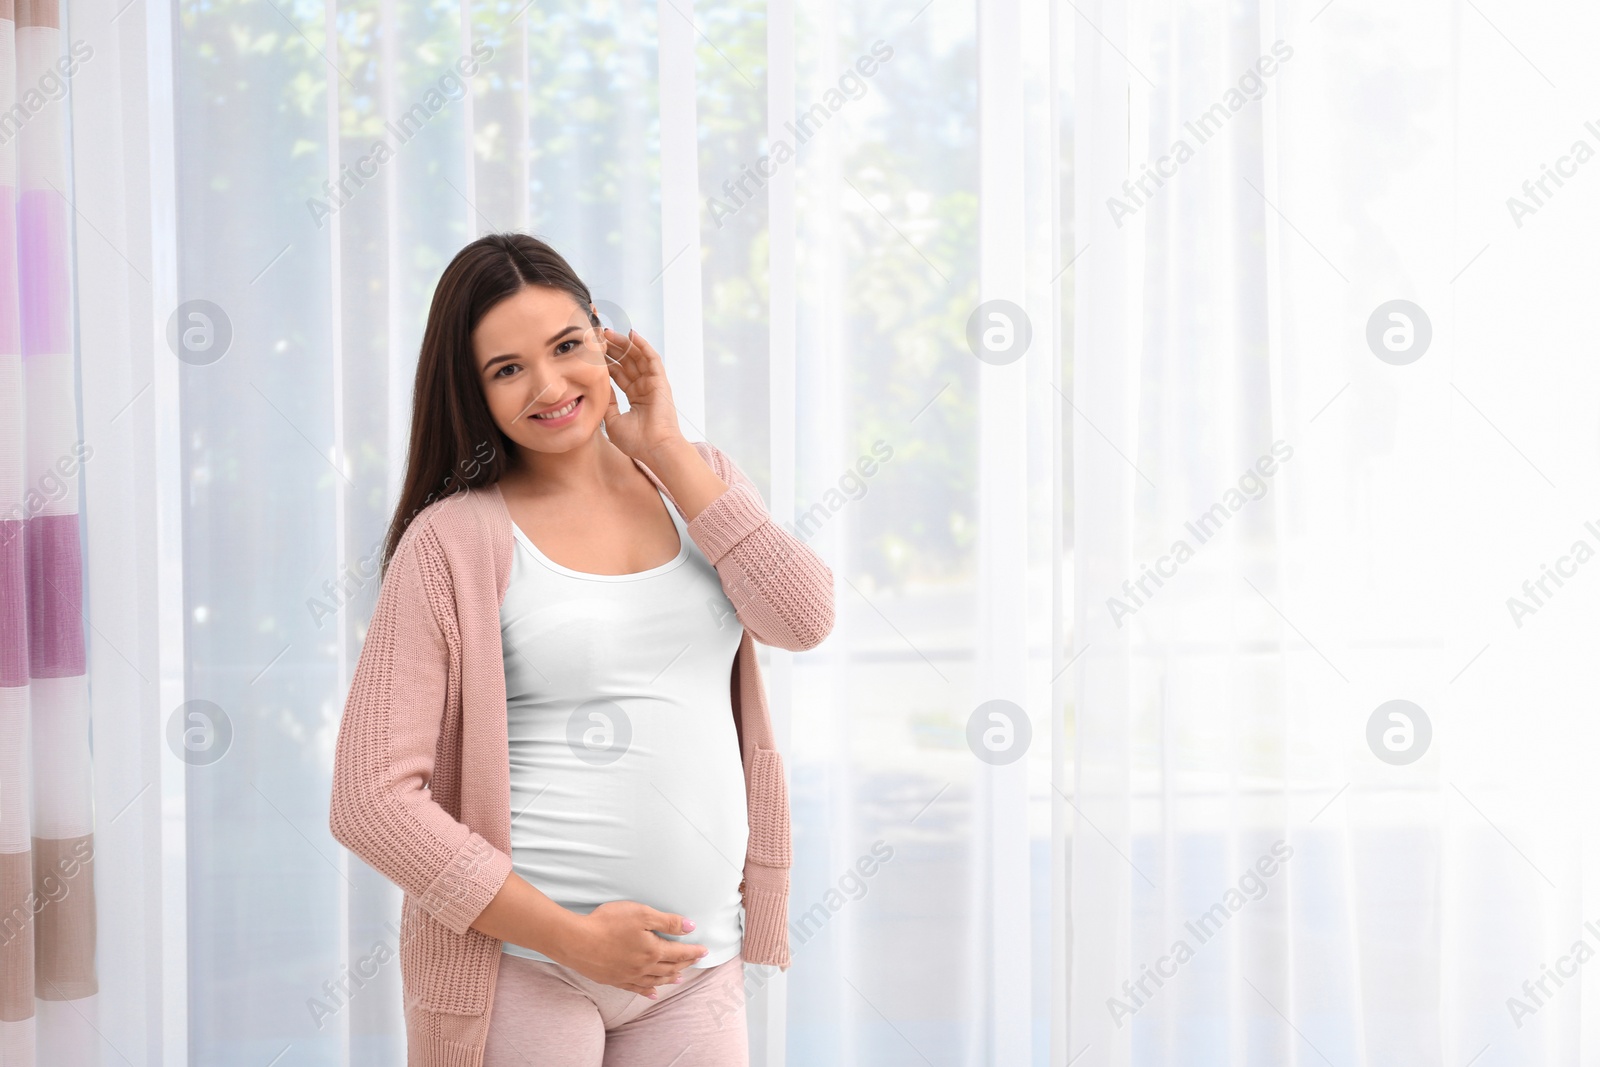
x=594 y=315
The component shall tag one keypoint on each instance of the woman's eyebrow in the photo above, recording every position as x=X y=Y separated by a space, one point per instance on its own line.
x=513 y=355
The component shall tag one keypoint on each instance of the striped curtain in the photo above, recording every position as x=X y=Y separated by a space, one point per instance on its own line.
x=47 y=929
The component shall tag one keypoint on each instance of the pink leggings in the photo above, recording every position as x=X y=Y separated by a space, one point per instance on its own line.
x=547 y=1015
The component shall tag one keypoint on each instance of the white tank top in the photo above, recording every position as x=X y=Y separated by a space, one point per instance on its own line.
x=626 y=777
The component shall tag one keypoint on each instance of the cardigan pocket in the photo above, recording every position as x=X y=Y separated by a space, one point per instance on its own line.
x=769 y=810
x=443 y=971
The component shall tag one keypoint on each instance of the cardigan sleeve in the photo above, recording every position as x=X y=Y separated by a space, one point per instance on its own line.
x=780 y=589
x=381 y=808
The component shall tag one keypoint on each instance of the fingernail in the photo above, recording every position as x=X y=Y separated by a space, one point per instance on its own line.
x=688 y=924
x=678 y=979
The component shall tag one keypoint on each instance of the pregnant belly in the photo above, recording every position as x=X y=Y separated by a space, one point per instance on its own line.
x=669 y=834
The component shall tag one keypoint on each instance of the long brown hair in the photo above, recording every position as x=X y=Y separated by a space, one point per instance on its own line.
x=455 y=443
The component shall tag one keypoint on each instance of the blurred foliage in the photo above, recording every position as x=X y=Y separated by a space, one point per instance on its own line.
x=909 y=272
x=907 y=208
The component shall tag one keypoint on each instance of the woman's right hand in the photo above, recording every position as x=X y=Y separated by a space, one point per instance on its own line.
x=616 y=944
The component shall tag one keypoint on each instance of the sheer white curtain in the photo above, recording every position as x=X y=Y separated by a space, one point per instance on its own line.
x=1297 y=501
x=804 y=208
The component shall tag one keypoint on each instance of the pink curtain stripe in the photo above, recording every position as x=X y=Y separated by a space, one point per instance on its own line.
x=41 y=234
x=13 y=606
x=55 y=597
x=10 y=328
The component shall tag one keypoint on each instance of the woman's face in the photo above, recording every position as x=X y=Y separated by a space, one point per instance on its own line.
x=537 y=353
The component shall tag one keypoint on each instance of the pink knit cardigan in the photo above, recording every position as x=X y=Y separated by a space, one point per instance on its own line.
x=421 y=777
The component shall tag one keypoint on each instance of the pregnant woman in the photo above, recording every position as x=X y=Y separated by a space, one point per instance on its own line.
x=556 y=740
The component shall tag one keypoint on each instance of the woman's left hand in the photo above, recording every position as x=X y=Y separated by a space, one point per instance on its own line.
x=651 y=420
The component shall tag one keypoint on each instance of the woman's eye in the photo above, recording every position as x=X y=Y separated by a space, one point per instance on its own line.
x=501 y=372
x=562 y=349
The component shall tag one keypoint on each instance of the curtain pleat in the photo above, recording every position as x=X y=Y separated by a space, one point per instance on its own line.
x=46 y=828
x=16 y=853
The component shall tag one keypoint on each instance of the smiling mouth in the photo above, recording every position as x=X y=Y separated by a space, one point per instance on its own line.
x=560 y=413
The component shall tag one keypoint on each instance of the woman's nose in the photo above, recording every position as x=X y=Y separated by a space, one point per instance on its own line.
x=542 y=392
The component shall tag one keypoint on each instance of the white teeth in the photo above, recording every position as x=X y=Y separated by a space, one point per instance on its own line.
x=558 y=414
